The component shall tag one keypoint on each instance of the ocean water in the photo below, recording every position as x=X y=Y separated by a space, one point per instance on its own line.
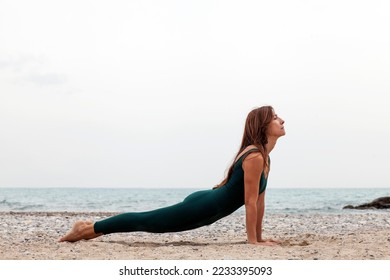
x=278 y=200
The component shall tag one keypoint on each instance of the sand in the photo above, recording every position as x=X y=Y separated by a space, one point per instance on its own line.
x=348 y=236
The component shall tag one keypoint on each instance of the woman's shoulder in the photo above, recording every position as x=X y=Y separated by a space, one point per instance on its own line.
x=253 y=155
x=251 y=152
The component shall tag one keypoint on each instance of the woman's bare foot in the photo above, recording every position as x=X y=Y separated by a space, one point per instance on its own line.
x=80 y=230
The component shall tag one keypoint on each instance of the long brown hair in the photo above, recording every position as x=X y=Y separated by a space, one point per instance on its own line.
x=256 y=126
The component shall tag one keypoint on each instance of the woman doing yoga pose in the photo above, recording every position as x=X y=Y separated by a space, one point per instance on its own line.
x=244 y=184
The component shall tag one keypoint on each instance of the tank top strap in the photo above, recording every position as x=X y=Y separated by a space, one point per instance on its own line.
x=241 y=158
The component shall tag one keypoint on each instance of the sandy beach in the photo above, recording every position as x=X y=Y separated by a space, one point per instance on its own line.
x=349 y=236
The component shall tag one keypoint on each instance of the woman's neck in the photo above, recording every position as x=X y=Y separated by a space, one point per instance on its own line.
x=271 y=144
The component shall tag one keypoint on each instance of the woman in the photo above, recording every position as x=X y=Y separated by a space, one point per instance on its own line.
x=245 y=183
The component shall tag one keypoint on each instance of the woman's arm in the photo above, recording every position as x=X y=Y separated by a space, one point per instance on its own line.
x=259 y=226
x=253 y=167
x=260 y=215
x=254 y=203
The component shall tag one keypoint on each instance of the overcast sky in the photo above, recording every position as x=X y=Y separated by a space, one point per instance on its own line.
x=155 y=93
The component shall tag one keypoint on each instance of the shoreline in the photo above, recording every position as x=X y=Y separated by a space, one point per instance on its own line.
x=357 y=236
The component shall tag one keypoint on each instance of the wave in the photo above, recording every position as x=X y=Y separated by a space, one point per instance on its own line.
x=6 y=205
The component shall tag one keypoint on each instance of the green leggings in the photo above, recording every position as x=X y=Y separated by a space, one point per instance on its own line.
x=196 y=210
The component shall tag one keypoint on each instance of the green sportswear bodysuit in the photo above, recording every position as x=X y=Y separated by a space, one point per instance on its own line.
x=196 y=210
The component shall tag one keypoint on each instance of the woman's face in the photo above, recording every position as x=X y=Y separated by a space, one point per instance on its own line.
x=276 y=127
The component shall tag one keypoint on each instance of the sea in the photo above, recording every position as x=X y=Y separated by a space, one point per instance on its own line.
x=278 y=200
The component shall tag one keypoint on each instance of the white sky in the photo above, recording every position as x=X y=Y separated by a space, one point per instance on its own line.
x=155 y=93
